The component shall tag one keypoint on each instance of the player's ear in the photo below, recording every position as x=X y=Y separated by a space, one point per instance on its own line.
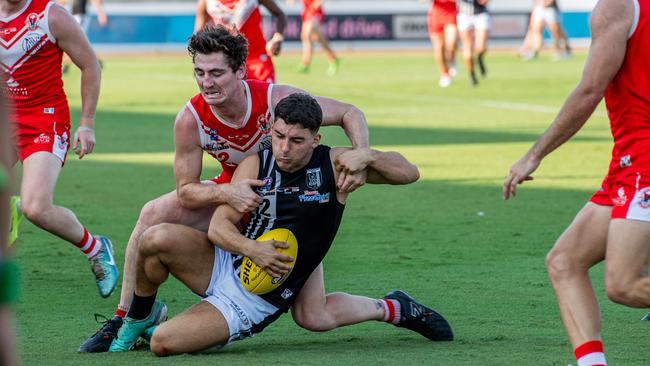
x=316 y=140
x=241 y=73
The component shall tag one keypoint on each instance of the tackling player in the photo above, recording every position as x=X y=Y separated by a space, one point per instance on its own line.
x=229 y=119
x=245 y=15
x=615 y=224
x=35 y=35
x=209 y=263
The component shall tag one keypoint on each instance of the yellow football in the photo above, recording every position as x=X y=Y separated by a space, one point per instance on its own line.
x=254 y=278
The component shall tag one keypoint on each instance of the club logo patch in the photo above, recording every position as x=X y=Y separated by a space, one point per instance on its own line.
x=32 y=21
x=644 y=198
x=314 y=178
x=621 y=200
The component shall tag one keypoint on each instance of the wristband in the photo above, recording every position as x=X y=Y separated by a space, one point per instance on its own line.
x=8 y=282
x=84 y=129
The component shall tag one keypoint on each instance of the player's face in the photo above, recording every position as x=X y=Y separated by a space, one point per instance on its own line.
x=215 y=78
x=292 y=145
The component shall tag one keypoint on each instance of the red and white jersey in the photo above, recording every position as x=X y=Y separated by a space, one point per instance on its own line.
x=245 y=15
x=230 y=143
x=627 y=97
x=312 y=9
x=31 y=60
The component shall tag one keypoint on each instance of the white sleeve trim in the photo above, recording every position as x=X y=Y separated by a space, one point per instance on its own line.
x=635 y=21
x=269 y=95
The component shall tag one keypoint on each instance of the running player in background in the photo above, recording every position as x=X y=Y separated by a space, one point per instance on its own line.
x=245 y=15
x=312 y=17
x=79 y=9
x=229 y=119
x=545 y=12
x=474 y=26
x=615 y=224
x=444 y=36
x=36 y=33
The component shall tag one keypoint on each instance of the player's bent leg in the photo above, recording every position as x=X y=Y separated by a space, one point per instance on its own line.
x=628 y=255
x=40 y=173
x=315 y=311
x=200 y=327
x=580 y=247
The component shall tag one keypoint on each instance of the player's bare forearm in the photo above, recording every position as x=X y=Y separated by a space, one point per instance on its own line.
x=390 y=168
x=356 y=127
x=90 y=86
x=277 y=13
x=198 y=195
x=223 y=231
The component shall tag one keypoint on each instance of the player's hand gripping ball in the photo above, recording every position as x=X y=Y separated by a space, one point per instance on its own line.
x=254 y=278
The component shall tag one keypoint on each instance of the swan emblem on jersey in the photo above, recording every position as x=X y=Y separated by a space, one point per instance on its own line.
x=32 y=21
x=263 y=123
x=644 y=198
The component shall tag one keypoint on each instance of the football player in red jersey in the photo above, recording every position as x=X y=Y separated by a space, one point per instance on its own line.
x=245 y=16
x=615 y=224
x=35 y=35
x=229 y=119
x=441 y=21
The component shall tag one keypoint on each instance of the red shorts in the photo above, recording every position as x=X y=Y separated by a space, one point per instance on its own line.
x=43 y=132
x=260 y=67
x=439 y=16
x=313 y=16
x=629 y=196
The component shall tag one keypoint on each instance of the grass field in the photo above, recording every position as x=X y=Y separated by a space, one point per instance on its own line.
x=448 y=239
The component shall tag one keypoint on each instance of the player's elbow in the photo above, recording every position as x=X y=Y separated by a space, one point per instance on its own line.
x=412 y=174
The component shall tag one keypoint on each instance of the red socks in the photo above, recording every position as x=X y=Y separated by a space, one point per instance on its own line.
x=88 y=244
x=590 y=354
x=392 y=311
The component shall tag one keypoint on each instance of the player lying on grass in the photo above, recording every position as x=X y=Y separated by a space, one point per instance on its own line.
x=229 y=119
x=296 y=168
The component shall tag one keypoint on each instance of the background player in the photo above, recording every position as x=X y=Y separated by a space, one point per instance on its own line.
x=229 y=119
x=312 y=17
x=245 y=15
x=545 y=12
x=36 y=33
x=441 y=20
x=229 y=312
x=615 y=223
x=79 y=9
x=474 y=26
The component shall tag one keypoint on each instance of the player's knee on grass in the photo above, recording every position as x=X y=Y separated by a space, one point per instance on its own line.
x=154 y=212
x=161 y=343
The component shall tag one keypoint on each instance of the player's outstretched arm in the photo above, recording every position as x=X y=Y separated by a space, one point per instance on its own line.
x=72 y=40
x=188 y=159
x=388 y=167
x=610 y=25
x=223 y=230
x=274 y=45
x=102 y=18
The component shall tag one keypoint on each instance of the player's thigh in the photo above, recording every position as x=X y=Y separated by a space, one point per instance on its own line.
x=185 y=251
x=200 y=327
x=168 y=209
x=482 y=35
x=451 y=35
x=312 y=294
x=467 y=40
x=307 y=29
x=40 y=173
x=584 y=242
x=628 y=251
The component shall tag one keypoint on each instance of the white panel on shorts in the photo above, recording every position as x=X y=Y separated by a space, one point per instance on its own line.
x=466 y=22
x=60 y=145
x=639 y=208
x=241 y=309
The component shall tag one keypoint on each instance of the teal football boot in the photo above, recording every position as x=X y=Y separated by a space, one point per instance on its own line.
x=104 y=267
x=132 y=329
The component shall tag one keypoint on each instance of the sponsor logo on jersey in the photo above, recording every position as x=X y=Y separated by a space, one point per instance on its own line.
x=625 y=161
x=32 y=21
x=314 y=197
x=621 y=200
x=30 y=41
x=644 y=198
x=314 y=178
x=242 y=316
x=266 y=189
x=12 y=83
x=48 y=110
x=42 y=139
x=7 y=31
x=288 y=190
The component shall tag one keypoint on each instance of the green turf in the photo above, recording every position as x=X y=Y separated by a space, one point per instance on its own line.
x=448 y=239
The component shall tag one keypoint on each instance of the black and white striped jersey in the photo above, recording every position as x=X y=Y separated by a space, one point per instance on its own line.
x=79 y=7
x=471 y=7
x=303 y=202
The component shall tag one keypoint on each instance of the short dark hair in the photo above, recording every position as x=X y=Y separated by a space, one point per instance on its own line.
x=302 y=109
x=218 y=38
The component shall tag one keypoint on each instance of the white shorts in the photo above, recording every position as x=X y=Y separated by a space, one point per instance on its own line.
x=465 y=22
x=245 y=313
x=547 y=15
